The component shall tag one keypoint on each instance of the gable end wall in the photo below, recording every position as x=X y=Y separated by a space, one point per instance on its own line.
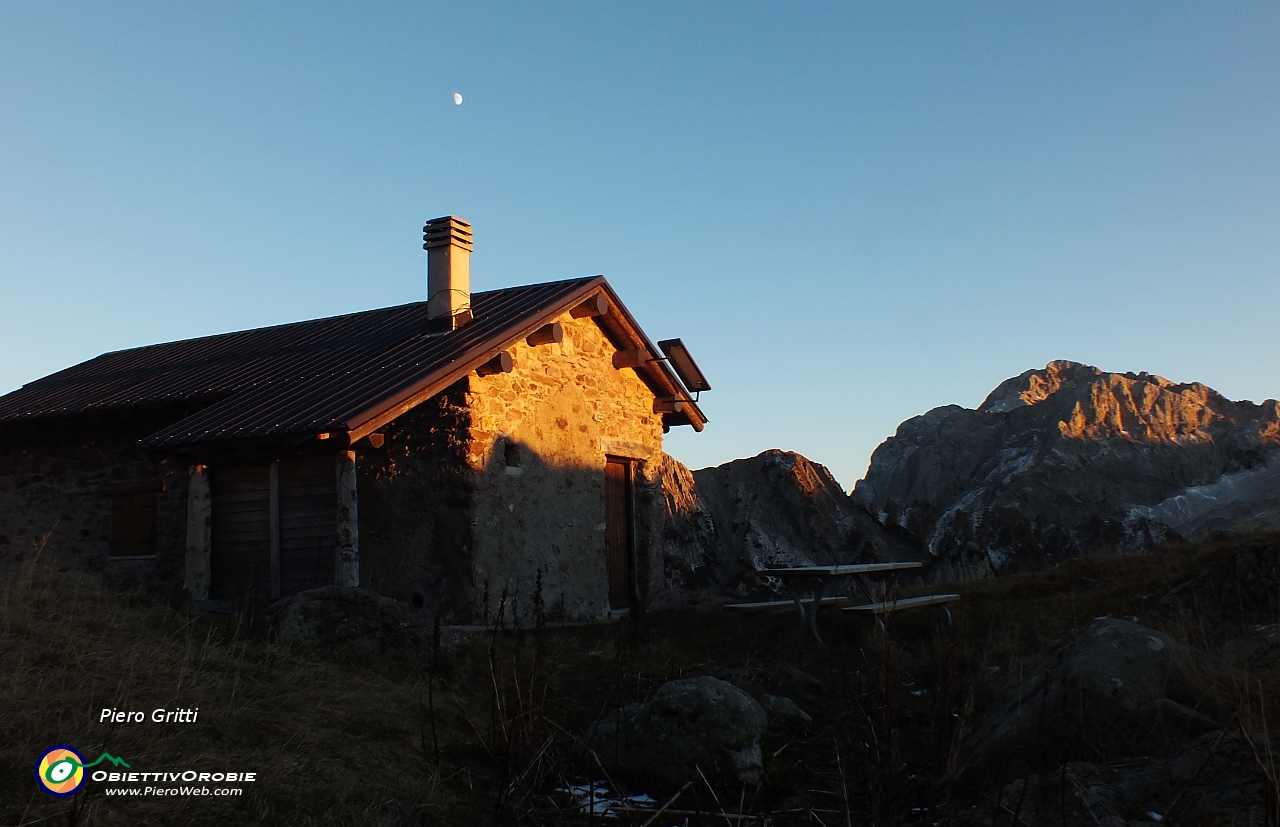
x=562 y=410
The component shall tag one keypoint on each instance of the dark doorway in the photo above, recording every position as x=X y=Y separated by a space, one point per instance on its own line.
x=241 y=529
x=619 y=552
x=274 y=527
x=308 y=502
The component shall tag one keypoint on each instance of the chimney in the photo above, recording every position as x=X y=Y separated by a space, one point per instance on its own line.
x=448 y=244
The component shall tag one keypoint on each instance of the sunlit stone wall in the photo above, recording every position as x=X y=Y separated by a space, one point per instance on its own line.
x=539 y=437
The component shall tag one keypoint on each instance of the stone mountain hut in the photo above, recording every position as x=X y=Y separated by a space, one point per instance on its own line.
x=441 y=453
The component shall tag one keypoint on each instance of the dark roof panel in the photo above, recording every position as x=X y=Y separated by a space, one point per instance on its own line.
x=333 y=389
x=304 y=377
x=335 y=374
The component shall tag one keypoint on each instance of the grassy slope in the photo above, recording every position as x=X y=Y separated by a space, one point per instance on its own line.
x=344 y=737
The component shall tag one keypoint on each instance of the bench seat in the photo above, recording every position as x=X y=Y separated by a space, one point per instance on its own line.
x=904 y=603
x=770 y=605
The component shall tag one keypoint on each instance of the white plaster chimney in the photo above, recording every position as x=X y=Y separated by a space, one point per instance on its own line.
x=447 y=241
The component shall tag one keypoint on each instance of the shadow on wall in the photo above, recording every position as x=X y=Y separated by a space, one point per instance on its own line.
x=60 y=482
x=523 y=538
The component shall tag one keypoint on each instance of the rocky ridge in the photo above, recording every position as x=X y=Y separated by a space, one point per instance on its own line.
x=1072 y=460
x=726 y=523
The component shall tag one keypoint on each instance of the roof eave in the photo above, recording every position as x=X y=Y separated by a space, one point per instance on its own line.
x=656 y=374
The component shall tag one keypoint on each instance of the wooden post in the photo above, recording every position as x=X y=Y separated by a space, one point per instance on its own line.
x=199 y=533
x=631 y=358
x=275 y=528
x=597 y=305
x=348 y=547
x=502 y=363
x=668 y=404
x=548 y=334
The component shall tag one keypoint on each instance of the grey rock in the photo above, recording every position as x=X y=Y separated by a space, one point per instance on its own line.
x=794 y=803
x=1229 y=789
x=1118 y=685
x=337 y=617
x=692 y=551
x=784 y=714
x=1071 y=460
x=1258 y=651
x=1240 y=503
x=688 y=725
x=77 y=579
x=781 y=679
x=726 y=523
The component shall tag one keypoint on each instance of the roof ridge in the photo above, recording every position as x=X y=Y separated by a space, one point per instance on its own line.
x=279 y=325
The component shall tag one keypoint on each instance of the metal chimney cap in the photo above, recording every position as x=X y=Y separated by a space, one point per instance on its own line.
x=445 y=231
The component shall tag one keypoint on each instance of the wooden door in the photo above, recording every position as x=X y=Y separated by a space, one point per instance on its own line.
x=241 y=531
x=308 y=523
x=274 y=527
x=618 y=551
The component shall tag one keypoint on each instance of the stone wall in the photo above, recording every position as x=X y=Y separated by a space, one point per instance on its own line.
x=414 y=496
x=495 y=484
x=539 y=437
x=53 y=512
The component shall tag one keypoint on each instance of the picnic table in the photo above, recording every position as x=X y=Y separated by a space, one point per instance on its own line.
x=808 y=588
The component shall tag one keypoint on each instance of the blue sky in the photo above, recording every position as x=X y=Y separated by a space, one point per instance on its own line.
x=852 y=213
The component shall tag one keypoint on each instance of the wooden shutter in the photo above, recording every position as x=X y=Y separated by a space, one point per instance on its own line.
x=133 y=525
x=618 y=553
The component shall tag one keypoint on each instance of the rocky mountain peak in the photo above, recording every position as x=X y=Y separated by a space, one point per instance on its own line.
x=1035 y=386
x=1064 y=460
x=1088 y=403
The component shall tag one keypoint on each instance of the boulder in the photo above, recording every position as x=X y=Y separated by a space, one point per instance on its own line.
x=1119 y=686
x=77 y=579
x=337 y=617
x=1240 y=580
x=782 y=679
x=784 y=714
x=1217 y=776
x=1071 y=460
x=688 y=725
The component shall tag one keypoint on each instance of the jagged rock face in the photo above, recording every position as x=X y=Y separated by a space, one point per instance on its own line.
x=778 y=509
x=691 y=549
x=726 y=523
x=1237 y=503
x=1060 y=462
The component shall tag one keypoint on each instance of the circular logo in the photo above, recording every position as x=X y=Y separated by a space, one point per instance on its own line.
x=60 y=770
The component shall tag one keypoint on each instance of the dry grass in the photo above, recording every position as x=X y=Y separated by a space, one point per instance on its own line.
x=330 y=741
x=487 y=735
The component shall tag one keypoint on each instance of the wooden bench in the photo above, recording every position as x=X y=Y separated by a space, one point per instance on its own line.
x=907 y=603
x=805 y=583
x=770 y=605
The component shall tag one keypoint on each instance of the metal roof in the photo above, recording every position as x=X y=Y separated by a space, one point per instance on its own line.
x=347 y=373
